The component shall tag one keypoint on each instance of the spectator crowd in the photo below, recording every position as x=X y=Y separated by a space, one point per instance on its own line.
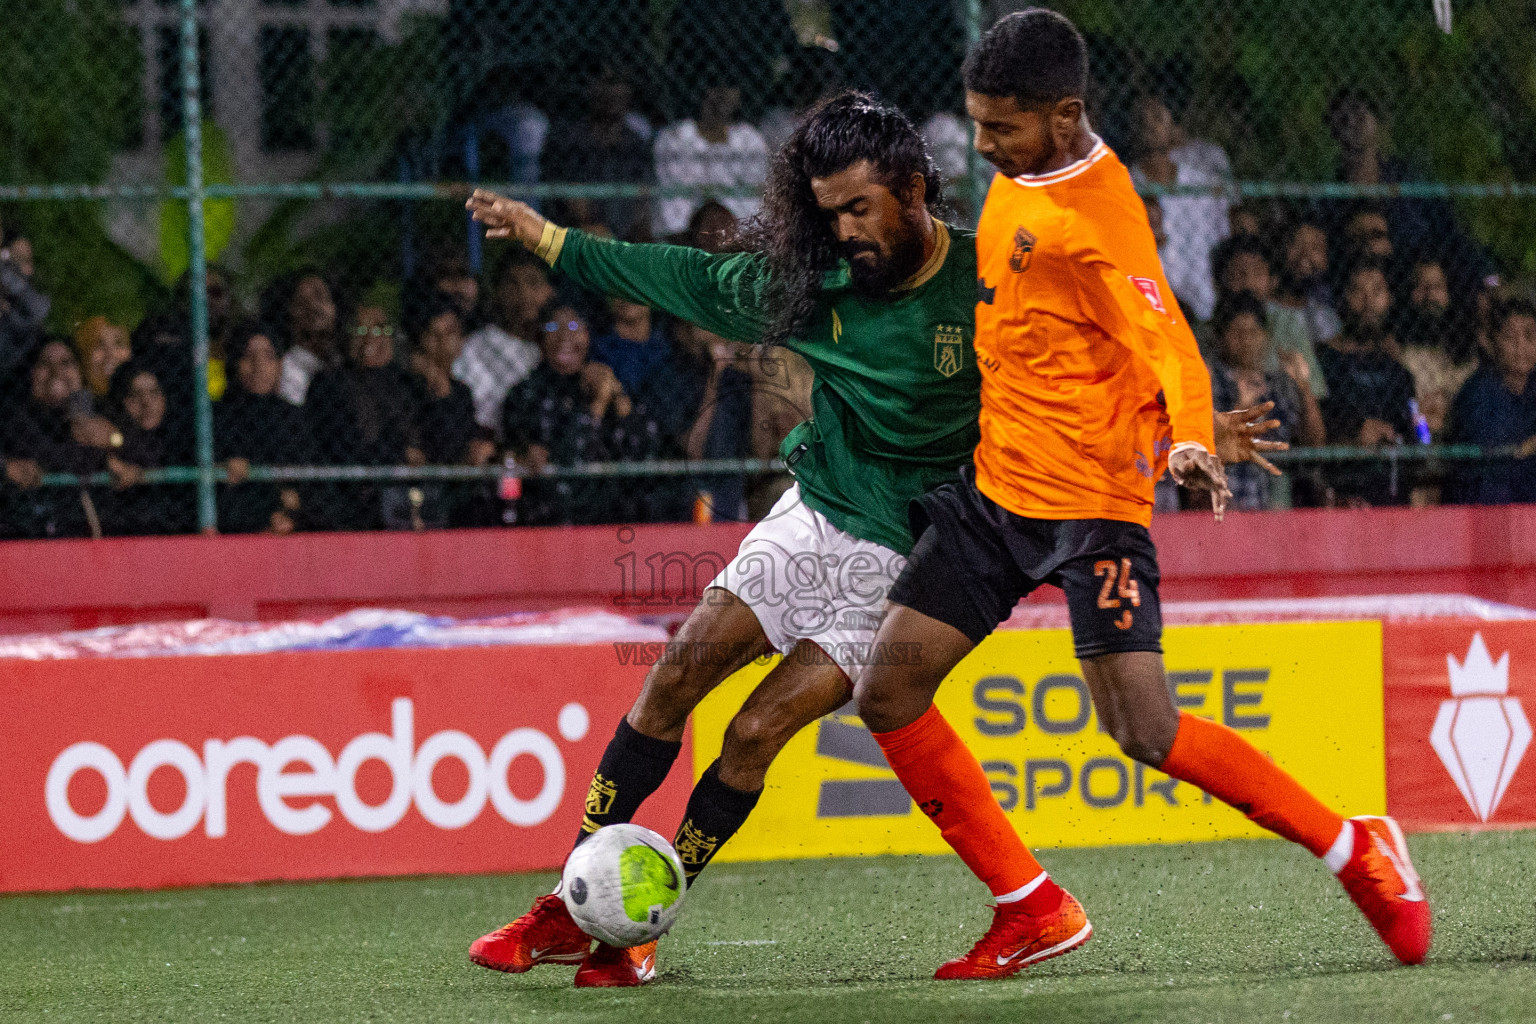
x=1368 y=324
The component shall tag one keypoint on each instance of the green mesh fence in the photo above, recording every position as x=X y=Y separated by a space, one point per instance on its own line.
x=311 y=220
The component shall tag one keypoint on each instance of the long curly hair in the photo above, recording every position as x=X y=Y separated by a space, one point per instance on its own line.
x=793 y=232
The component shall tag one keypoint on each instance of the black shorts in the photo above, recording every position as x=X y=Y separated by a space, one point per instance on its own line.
x=974 y=560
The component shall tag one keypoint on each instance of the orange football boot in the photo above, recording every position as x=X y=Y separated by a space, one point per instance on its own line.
x=544 y=935
x=1381 y=880
x=612 y=967
x=1018 y=939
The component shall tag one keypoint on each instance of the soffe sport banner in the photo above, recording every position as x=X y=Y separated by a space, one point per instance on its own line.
x=148 y=772
x=1307 y=694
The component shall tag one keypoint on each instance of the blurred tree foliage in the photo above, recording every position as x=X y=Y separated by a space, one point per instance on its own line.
x=71 y=96
x=1256 y=76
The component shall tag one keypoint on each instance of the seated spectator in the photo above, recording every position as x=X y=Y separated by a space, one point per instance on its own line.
x=695 y=404
x=1241 y=265
x=307 y=315
x=1247 y=219
x=1437 y=347
x=1240 y=378
x=500 y=354
x=363 y=413
x=634 y=346
x=1497 y=408
x=451 y=277
x=253 y=426
x=567 y=411
x=1194 y=224
x=1428 y=226
x=40 y=436
x=449 y=434
x=223 y=312
x=102 y=346
x=1366 y=235
x=1369 y=389
x=610 y=143
x=1304 y=282
x=161 y=342
x=717 y=149
x=711 y=228
x=136 y=402
x=23 y=309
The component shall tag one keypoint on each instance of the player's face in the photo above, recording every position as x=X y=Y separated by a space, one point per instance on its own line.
x=1018 y=141
x=878 y=233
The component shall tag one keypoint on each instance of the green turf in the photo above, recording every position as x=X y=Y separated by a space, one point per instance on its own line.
x=1237 y=931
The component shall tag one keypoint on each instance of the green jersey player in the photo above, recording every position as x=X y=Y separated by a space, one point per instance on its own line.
x=850 y=267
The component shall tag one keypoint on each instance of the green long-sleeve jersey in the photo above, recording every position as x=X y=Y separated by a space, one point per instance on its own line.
x=896 y=396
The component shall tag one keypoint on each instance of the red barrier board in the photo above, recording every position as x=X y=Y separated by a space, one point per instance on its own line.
x=150 y=772
x=1459 y=700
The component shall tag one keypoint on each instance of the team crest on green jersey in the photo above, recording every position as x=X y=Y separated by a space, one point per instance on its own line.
x=948 y=347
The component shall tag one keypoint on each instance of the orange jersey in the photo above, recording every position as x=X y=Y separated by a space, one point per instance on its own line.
x=1089 y=375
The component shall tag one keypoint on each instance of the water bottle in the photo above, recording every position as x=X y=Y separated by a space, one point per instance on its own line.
x=1420 y=423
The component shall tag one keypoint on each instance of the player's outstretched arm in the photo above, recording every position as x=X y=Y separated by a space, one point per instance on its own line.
x=720 y=293
x=1238 y=436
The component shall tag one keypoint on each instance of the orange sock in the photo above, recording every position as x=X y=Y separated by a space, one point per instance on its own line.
x=947 y=782
x=1233 y=770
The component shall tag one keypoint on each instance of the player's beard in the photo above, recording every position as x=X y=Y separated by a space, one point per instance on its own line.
x=877 y=277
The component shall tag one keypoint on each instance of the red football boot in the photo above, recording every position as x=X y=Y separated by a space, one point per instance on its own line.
x=1380 y=878
x=612 y=967
x=544 y=935
x=1018 y=939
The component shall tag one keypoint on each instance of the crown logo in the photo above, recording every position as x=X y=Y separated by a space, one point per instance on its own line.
x=1481 y=734
x=1478 y=673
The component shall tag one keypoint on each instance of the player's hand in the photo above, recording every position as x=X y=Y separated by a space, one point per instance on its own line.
x=1201 y=471
x=1237 y=436
x=506 y=218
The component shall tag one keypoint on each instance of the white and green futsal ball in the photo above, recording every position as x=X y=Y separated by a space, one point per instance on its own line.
x=624 y=885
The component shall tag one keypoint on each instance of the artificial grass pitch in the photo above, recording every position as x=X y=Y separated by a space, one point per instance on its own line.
x=1234 y=931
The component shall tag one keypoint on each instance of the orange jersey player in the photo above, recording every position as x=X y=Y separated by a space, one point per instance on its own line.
x=1089 y=377
x=1090 y=385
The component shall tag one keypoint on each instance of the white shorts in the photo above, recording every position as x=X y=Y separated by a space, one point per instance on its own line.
x=805 y=579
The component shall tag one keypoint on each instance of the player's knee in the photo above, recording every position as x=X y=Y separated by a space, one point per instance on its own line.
x=752 y=741
x=1144 y=741
x=877 y=704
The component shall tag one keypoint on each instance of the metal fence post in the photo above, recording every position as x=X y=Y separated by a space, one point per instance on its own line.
x=197 y=270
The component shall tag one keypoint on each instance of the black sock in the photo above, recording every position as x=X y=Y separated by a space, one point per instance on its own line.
x=715 y=812
x=632 y=768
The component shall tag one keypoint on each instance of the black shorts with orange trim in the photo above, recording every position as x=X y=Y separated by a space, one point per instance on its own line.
x=974 y=560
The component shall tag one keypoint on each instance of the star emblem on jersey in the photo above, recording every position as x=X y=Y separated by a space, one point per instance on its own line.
x=1023 y=248
x=948 y=348
x=1481 y=733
